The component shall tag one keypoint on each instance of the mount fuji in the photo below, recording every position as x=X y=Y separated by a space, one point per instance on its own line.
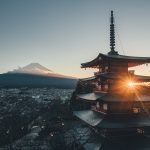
x=37 y=69
x=33 y=68
x=35 y=75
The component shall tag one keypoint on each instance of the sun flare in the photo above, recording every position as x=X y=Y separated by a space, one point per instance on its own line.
x=130 y=83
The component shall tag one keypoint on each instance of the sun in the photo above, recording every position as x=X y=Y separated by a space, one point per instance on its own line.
x=130 y=83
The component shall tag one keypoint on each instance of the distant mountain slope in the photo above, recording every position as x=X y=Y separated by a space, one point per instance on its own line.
x=37 y=69
x=33 y=68
x=16 y=80
x=35 y=75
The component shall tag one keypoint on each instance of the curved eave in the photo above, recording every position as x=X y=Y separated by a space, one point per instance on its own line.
x=131 y=60
x=90 y=96
x=87 y=79
x=130 y=121
x=110 y=76
x=121 y=77
x=95 y=63
x=115 y=98
x=90 y=117
x=135 y=64
x=142 y=78
x=124 y=98
x=111 y=121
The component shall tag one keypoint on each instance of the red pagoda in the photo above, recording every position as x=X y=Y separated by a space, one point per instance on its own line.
x=115 y=100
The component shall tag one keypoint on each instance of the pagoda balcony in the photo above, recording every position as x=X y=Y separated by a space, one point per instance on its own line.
x=120 y=107
x=101 y=89
x=109 y=109
x=99 y=109
x=105 y=109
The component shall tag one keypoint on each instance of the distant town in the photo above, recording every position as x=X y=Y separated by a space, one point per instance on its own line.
x=40 y=118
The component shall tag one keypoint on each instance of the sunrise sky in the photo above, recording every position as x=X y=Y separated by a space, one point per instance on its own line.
x=61 y=34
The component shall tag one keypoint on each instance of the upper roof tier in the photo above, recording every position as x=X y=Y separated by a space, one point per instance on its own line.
x=132 y=61
x=113 y=55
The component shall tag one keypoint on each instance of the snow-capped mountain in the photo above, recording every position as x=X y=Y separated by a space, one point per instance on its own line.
x=35 y=75
x=37 y=69
x=33 y=68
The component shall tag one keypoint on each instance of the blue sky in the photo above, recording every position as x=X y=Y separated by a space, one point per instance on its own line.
x=61 y=34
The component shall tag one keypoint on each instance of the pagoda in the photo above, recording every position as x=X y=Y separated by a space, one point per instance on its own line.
x=115 y=100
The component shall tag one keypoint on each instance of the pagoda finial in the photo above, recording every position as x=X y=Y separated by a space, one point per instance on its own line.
x=112 y=35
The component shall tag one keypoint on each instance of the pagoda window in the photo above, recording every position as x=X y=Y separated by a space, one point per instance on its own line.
x=97 y=87
x=140 y=130
x=97 y=105
x=106 y=68
x=100 y=107
x=104 y=87
x=136 y=110
x=105 y=107
x=100 y=69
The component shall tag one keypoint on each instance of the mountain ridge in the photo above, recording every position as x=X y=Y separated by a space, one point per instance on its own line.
x=38 y=69
x=28 y=76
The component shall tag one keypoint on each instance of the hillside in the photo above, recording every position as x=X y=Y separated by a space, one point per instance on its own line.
x=15 y=80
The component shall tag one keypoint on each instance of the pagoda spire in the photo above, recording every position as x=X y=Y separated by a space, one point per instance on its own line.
x=112 y=36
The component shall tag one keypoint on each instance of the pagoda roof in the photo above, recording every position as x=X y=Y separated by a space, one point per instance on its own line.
x=121 y=76
x=113 y=97
x=115 y=76
x=142 y=78
x=89 y=116
x=91 y=96
x=131 y=60
x=94 y=63
x=112 y=121
x=88 y=79
x=124 y=121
